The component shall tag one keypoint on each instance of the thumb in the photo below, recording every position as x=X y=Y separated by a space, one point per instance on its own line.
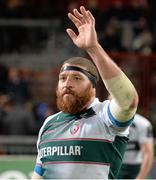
x=71 y=34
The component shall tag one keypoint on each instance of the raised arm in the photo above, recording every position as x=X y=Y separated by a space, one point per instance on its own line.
x=124 y=96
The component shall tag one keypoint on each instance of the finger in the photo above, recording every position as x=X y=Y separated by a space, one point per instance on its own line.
x=83 y=10
x=75 y=20
x=90 y=16
x=71 y=34
x=77 y=14
x=84 y=13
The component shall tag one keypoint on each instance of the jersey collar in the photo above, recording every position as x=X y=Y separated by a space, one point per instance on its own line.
x=95 y=101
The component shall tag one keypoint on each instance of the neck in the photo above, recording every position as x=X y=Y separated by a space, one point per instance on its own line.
x=89 y=103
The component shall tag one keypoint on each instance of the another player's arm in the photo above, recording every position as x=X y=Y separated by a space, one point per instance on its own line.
x=124 y=96
x=147 y=149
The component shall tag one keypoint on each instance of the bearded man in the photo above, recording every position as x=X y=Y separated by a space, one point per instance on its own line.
x=87 y=138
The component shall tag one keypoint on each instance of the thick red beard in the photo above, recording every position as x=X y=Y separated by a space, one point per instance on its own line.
x=73 y=103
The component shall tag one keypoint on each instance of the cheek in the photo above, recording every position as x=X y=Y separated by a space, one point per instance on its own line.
x=59 y=86
x=58 y=89
x=83 y=89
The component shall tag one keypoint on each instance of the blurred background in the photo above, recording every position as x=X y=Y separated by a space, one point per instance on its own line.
x=33 y=45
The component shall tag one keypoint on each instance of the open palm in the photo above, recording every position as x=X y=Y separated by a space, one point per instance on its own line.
x=85 y=24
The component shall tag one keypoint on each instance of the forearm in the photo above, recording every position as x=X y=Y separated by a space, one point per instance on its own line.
x=145 y=167
x=148 y=156
x=106 y=67
x=125 y=98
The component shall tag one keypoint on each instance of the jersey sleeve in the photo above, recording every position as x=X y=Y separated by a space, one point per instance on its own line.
x=38 y=167
x=110 y=121
x=145 y=133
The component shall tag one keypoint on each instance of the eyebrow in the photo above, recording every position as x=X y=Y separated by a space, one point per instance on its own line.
x=73 y=74
x=90 y=76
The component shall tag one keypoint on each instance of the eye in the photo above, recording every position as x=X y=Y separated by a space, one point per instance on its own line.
x=62 y=78
x=77 y=78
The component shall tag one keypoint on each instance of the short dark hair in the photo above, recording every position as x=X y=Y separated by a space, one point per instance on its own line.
x=86 y=63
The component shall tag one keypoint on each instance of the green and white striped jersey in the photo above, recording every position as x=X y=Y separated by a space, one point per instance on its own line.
x=86 y=145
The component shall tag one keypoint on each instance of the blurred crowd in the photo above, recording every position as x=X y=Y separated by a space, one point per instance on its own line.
x=19 y=114
x=122 y=25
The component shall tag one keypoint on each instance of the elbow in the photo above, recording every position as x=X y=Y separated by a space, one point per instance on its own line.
x=135 y=102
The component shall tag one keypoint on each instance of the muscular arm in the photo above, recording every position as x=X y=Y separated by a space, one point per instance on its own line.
x=148 y=156
x=124 y=96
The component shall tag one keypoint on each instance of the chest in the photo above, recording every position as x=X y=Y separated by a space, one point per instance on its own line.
x=82 y=128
